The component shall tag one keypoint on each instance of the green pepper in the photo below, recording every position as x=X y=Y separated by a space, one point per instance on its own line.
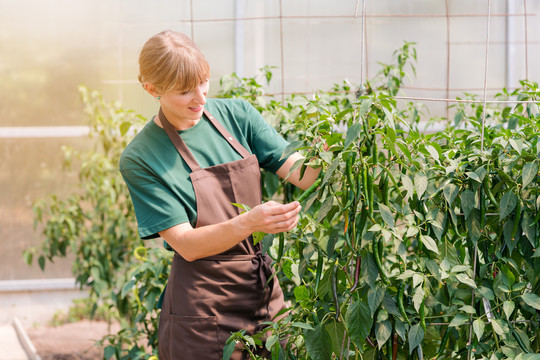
x=401 y=306
x=310 y=190
x=377 y=248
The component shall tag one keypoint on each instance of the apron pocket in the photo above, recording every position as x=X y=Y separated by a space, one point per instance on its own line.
x=194 y=337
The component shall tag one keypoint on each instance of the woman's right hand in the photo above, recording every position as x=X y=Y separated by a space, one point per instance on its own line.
x=272 y=217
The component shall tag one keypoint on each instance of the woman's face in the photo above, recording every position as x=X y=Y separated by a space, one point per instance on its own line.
x=184 y=109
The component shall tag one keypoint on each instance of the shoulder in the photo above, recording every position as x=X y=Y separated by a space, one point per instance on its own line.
x=229 y=106
x=143 y=144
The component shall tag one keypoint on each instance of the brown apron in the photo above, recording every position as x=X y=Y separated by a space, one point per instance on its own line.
x=209 y=298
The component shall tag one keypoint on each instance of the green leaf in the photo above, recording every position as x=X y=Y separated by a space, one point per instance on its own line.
x=529 y=172
x=41 y=262
x=352 y=134
x=124 y=128
x=336 y=330
x=420 y=184
x=496 y=323
x=478 y=327
x=508 y=204
x=301 y=293
x=508 y=307
x=459 y=320
x=429 y=243
x=272 y=339
x=532 y=300
x=468 y=309
x=450 y=192
x=433 y=152
x=463 y=278
x=375 y=297
x=325 y=208
x=467 y=202
x=486 y=292
x=302 y=325
x=408 y=185
x=359 y=321
x=108 y=352
x=228 y=349
x=383 y=331
x=474 y=176
x=416 y=335
x=28 y=256
x=127 y=288
x=291 y=149
x=331 y=169
x=386 y=215
x=318 y=343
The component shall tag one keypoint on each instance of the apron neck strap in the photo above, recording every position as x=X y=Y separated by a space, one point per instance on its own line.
x=178 y=143
x=184 y=151
x=232 y=141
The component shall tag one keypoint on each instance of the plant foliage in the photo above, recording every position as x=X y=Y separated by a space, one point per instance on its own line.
x=411 y=245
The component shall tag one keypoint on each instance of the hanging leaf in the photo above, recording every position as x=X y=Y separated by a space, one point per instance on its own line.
x=420 y=184
x=375 y=297
x=352 y=134
x=433 y=152
x=496 y=323
x=359 y=322
x=478 y=327
x=318 y=343
x=386 y=214
x=508 y=307
x=467 y=202
x=508 y=204
x=529 y=172
x=532 y=300
x=463 y=278
x=291 y=148
x=383 y=331
x=336 y=330
x=429 y=243
x=459 y=320
x=416 y=335
x=450 y=192
x=408 y=185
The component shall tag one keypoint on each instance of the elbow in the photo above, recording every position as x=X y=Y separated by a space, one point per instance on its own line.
x=188 y=257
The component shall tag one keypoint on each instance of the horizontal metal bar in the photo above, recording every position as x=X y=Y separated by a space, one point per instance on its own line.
x=38 y=285
x=43 y=131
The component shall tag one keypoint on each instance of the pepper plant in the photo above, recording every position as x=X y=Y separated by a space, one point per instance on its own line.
x=413 y=245
x=410 y=245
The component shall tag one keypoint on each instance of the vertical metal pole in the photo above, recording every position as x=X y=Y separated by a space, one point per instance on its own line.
x=447 y=59
x=526 y=40
x=239 y=44
x=282 y=56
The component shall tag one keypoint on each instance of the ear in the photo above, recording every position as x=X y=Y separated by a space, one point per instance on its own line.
x=151 y=89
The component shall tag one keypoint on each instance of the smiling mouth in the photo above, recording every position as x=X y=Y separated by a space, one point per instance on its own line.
x=197 y=108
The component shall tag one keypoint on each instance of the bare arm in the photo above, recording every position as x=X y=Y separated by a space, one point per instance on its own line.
x=310 y=175
x=196 y=243
x=270 y=217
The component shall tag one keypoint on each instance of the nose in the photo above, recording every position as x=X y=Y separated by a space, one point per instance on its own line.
x=200 y=94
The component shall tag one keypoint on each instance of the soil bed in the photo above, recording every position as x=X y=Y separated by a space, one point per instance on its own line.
x=71 y=341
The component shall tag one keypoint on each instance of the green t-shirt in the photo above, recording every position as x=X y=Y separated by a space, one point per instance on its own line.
x=158 y=178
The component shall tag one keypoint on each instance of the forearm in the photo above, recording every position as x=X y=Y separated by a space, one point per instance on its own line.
x=196 y=243
x=303 y=182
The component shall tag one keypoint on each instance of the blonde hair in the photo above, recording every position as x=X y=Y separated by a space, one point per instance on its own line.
x=171 y=61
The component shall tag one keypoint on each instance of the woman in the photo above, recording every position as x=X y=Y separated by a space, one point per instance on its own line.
x=185 y=169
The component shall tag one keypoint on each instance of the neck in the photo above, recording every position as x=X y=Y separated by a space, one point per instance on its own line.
x=178 y=124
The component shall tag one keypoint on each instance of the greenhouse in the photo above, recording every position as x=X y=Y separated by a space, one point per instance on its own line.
x=396 y=148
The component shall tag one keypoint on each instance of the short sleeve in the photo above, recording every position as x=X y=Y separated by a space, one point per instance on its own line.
x=266 y=143
x=156 y=207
